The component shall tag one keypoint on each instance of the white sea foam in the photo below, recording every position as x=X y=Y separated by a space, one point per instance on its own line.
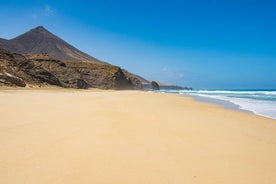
x=262 y=103
x=259 y=107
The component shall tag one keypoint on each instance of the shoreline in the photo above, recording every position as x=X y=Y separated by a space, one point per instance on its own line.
x=228 y=105
x=83 y=136
x=223 y=104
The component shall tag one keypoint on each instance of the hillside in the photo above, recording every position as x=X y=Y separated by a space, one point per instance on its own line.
x=18 y=70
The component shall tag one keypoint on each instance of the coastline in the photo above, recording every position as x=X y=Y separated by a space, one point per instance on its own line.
x=233 y=105
x=96 y=136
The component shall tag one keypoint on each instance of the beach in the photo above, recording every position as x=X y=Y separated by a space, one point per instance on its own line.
x=69 y=136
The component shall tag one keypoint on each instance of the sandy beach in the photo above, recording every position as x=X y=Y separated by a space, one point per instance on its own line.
x=59 y=136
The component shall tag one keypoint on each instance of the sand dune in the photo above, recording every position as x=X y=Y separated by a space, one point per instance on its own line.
x=70 y=136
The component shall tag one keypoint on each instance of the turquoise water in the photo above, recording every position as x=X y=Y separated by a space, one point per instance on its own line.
x=260 y=102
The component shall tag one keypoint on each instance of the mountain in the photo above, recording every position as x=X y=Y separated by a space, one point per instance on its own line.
x=39 y=57
x=41 y=41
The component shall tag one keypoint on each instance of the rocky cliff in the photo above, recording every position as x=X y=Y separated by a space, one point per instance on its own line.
x=19 y=70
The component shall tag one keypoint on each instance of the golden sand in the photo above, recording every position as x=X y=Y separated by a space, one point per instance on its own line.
x=128 y=137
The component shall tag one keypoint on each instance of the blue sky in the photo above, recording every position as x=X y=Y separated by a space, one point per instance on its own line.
x=214 y=44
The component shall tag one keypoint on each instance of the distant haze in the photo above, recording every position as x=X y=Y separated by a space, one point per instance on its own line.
x=200 y=43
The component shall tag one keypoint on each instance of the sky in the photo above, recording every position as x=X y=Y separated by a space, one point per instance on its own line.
x=205 y=44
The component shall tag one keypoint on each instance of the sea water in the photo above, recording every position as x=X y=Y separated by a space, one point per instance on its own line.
x=260 y=102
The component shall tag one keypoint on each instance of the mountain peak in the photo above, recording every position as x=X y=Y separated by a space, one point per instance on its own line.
x=39 y=29
x=41 y=41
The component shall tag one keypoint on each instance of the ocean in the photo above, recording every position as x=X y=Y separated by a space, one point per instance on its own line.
x=260 y=102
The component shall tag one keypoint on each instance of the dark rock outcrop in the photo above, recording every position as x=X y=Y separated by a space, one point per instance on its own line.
x=10 y=80
x=155 y=85
x=81 y=84
x=120 y=80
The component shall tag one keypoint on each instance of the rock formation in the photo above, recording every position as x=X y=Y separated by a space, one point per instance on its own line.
x=155 y=85
x=18 y=70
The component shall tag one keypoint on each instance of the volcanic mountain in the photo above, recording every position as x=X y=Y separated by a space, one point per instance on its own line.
x=40 y=58
x=41 y=41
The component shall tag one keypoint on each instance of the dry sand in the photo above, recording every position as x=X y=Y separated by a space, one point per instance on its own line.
x=123 y=137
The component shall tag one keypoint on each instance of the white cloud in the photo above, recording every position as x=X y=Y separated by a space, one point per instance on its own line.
x=46 y=11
